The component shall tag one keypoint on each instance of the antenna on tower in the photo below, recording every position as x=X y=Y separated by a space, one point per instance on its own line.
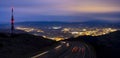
x=12 y=23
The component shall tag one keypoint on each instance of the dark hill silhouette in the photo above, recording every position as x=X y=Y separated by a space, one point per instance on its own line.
x=22 y=45
x=106 y=46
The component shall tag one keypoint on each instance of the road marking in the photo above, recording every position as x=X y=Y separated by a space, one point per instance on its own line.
x=58 y=47
x=40 y=54
x=63 y=42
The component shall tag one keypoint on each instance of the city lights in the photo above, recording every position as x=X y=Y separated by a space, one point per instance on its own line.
x=59 y=33
x=29 y=29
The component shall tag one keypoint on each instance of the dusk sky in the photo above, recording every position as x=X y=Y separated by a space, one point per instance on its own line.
x=60 y=10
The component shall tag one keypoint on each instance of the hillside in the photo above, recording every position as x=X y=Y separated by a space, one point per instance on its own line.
x=22 y=45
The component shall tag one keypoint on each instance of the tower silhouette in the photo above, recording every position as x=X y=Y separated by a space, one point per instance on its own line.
x=12 y=23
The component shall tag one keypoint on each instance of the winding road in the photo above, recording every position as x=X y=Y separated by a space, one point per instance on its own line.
x=68 y=49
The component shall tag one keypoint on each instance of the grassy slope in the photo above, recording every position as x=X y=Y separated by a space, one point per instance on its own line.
x=22 y=45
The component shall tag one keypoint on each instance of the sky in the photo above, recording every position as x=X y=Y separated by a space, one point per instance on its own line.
x=60 y=10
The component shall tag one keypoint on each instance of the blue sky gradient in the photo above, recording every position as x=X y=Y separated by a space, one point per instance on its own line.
x=60 y=10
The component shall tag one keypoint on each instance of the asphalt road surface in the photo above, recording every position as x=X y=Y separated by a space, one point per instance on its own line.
x=68 y=50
